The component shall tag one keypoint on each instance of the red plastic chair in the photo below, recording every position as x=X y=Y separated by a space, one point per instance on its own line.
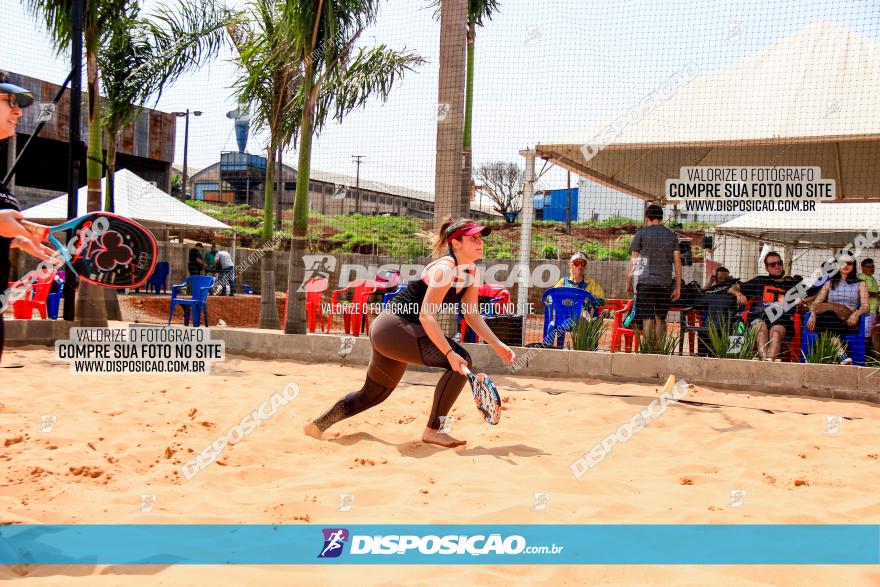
x=621 y=335
x=794 y=343
x=315 y=288
x=490 y=293
x=354 y=315
x=34 y=299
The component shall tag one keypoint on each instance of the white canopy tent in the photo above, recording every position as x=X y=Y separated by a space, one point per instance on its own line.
x=135 y=198
x=805 y=239
x=812 y=99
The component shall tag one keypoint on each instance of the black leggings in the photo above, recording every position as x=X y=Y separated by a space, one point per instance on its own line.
x=830 y=321
x=397 y=344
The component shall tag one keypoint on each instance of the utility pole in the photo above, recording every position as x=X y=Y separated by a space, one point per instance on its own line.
x=73 y=167
x=357 y=159
x=185 y=145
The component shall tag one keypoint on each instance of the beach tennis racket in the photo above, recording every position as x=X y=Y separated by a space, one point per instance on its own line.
x=485 y=396
x=106 y=249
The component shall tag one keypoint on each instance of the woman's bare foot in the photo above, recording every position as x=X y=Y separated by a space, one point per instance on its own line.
x=432 y=436
x=312 y=430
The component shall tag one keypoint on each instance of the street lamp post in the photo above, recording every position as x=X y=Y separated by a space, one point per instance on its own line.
x=186 y=144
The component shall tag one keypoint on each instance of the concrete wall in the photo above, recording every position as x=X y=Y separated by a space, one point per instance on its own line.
x=829 y=381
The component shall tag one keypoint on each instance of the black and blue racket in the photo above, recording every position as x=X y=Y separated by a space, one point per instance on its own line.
x=106 y=250
x=485 y=396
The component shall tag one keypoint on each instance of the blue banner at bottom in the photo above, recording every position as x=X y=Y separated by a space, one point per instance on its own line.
x=517 y=544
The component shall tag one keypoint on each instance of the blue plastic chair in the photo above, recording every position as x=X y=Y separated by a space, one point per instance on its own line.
x=562 y=310
x=159 y=279
x=247 y=289
x=201 y=285
x=388 y=295
x=854 y=342
x=53 y=300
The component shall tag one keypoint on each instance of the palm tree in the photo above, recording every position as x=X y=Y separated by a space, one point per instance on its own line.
x=269 y=81
x=333 y=81
x=102 y=20
x=98 y=17
x=478 y=11
x=140 y=56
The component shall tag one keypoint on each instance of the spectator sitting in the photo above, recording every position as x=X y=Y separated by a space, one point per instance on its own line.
x=576 y=278
x=867 y=275
x=764 y=290
x=840 y=304
x=720 y=281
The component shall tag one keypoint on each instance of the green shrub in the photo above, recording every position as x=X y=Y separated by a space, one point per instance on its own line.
x=826 y=350
x=586 y=334
x=650 y=343
x=721 y=329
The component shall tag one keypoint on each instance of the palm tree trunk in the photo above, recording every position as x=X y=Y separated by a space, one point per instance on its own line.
x=450 y=119
x=268 y=308
x=466 y=153
x=296 y=300
x=110 y=196
x=90 y=301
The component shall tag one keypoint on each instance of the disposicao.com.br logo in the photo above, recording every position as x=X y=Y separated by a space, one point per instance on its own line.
x=452 y=544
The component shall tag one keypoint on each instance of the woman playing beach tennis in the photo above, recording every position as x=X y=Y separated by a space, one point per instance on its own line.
x=408 y=332
x=13 y=233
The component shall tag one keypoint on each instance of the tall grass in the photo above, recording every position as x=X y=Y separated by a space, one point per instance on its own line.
x=651 y=343
x=721 y=329
x=826 y=350
x=586 y=334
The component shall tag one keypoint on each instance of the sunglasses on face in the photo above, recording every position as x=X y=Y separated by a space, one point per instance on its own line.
x=19 y=100
x=775 y=264
x=580 y=263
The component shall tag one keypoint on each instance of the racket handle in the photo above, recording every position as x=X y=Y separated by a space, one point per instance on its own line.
x=466 y=371
x=38 y=230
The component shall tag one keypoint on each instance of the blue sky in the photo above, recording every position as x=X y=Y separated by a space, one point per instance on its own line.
x=543 y=69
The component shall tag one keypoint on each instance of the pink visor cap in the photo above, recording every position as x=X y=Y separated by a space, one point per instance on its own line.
x=470 y=229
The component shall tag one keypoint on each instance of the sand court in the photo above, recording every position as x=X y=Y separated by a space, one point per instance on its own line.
x=114 y=439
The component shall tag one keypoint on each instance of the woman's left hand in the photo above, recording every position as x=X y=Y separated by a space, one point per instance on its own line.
x=39 y=250
x=853 y=319
x=506 y=354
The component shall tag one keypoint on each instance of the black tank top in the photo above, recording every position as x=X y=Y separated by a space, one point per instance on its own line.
x=408 y=303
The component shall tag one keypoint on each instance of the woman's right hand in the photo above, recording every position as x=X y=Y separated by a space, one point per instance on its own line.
x=456 y=362
x=811 y=322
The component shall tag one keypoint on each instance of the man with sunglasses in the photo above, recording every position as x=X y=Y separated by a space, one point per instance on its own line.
x=764 y=290
x=13 y=234
x=577 y=278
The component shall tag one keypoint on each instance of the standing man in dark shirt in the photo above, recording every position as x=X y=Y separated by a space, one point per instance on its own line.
x=764 y=290
x=12 y=233
x=196 y=262
x=654 y=255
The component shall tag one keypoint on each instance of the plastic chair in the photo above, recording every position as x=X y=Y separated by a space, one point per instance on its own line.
x=315 y=288
x=796 y=340
x=623 y=336
x=495 y=298
x=389 y=295
x=354 y=316
x=34 y=299
x=854 y=342
x=563 y=307
x=201 y=286
x=388 y=279
x=247 y=289
x=159 y=279
x=53 y=300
